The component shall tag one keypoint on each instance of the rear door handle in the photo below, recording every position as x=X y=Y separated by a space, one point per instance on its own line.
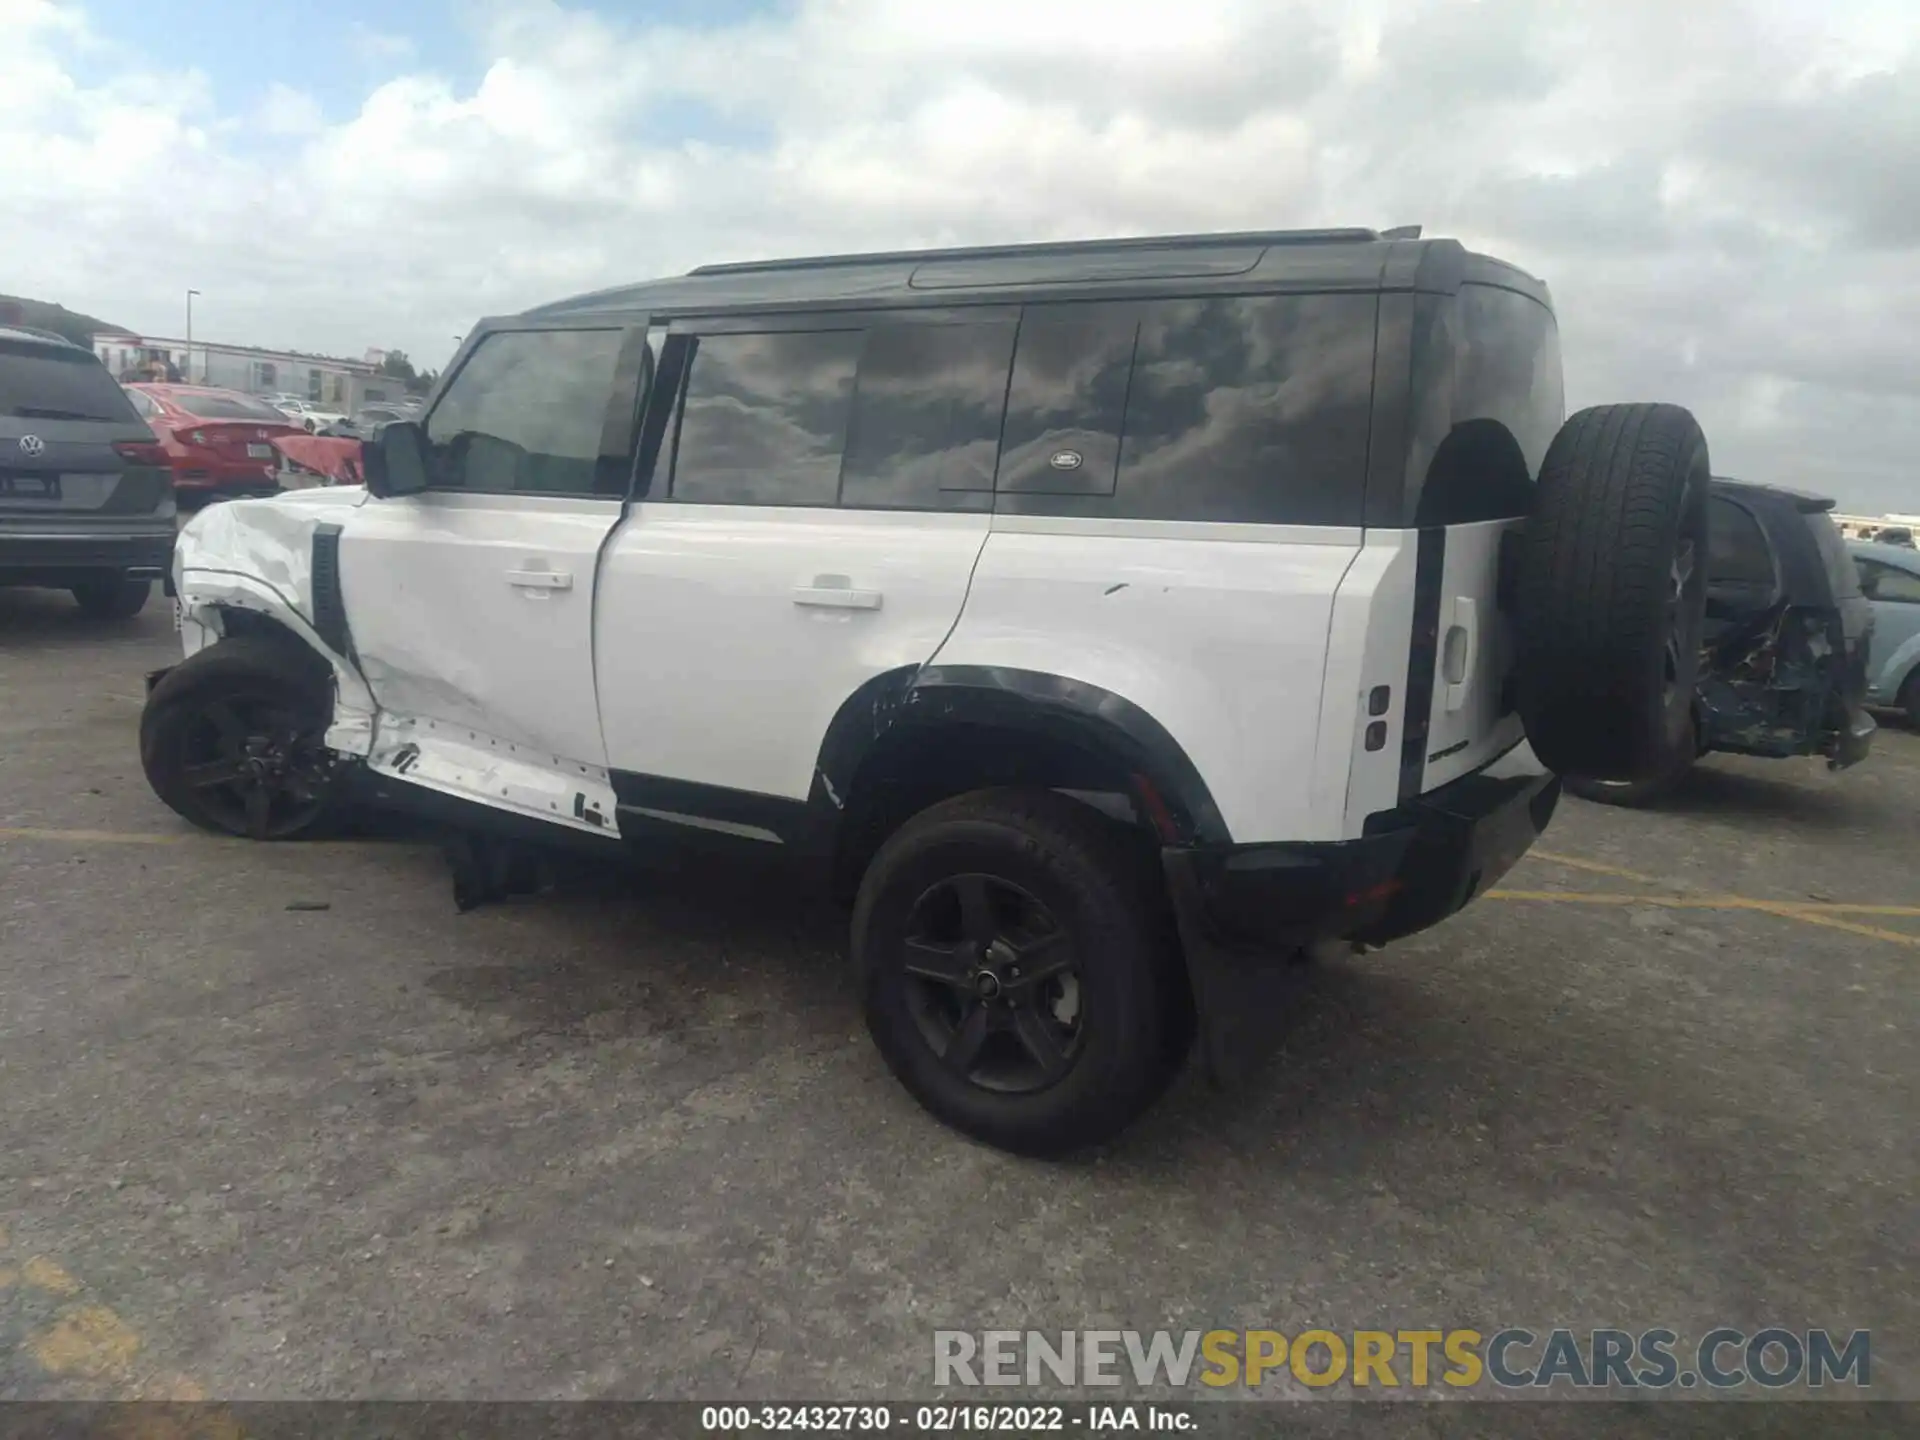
x=540 y=579
x=834 y=592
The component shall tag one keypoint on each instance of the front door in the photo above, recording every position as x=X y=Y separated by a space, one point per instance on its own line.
x=471 y=603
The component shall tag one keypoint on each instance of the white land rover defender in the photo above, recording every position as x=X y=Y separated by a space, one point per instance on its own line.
x=1110 y=621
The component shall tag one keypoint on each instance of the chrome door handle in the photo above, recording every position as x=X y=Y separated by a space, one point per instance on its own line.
x=841 y=596
x=540 y=579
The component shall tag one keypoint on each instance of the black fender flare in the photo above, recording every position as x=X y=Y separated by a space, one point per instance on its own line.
x=1166 y=783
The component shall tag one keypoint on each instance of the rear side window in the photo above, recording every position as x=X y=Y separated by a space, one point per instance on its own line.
x=764 y=421
x=1508 y=368
x=1738 y=556
x=1068 y=400
x=1250 y=408
x=52 y=382
x=926 y=416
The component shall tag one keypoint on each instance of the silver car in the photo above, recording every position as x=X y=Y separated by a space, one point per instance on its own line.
x=1890 y=579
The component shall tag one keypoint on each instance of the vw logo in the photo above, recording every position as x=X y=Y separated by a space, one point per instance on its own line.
x=33 y=445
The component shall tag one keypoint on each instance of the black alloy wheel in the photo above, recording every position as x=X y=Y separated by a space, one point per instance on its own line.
x=994 y=984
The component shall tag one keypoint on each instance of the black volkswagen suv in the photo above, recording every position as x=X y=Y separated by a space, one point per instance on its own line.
x=86 y=498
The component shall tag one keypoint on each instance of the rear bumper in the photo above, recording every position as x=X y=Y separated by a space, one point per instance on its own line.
x=1245 y=911
x=67 y=555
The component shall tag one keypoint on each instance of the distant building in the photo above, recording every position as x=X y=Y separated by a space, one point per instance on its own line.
x=343 y=385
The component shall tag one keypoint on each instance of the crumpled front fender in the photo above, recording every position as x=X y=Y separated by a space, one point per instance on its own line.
x=256 y=556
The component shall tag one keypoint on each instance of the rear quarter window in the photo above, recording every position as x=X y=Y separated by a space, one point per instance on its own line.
x=47 y=382
x=1838 y=563
x=1250 y=409
x=1508 y=368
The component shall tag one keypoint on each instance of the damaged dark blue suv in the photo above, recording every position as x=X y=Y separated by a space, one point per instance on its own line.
x=1783 y=662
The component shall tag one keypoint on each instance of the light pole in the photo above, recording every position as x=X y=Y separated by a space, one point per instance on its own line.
x=190 y=295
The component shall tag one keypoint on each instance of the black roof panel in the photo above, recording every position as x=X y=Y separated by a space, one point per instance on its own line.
x=1349 y=259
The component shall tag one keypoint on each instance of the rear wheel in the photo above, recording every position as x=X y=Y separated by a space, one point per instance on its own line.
x=1019 y=969
x=114 y=598
x=231 y=740
x=1612 y=592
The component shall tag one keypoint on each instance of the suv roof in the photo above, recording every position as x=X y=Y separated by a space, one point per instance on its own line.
x=1805 y=501
x=1339 y=259
x=28 y=334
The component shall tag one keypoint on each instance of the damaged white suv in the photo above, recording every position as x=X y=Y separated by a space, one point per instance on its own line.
x=1109 y=621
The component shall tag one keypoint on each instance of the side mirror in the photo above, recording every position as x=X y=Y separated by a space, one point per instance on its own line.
x=396 y=460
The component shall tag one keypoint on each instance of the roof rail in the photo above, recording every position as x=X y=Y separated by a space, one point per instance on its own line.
x=1056 y=247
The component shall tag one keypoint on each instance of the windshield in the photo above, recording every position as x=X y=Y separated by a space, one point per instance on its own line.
x=45 y=382
x=229 y=407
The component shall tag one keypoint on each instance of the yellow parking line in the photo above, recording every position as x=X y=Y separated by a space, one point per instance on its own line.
x=1809 y=914
x=1574 y=862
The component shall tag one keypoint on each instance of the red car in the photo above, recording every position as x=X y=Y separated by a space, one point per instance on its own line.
x=219 y=443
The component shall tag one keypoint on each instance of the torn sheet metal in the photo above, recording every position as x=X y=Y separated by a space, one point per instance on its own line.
x=1767 y=687
x=469 y=765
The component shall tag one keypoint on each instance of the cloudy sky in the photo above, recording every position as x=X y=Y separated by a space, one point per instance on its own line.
x=1723 y=194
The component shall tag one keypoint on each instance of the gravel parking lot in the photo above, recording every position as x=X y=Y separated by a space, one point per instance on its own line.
x=630 y=1139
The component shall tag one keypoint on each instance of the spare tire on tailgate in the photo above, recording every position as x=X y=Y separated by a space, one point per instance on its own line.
x=1611 y=592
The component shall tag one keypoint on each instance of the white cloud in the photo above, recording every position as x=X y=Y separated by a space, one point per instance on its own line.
x=1722 y=195
x=377 y=47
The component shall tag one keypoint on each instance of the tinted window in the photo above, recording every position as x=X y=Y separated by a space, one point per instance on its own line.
x=526 y=414
x=765 y=418
x=1252 y=409
x=926 y=415
x=1737 y=552
x=1509 y=368
x=1067 y=400
x=1834 y=558
x=1889 y=582
x=230 y=407
x=52 y=382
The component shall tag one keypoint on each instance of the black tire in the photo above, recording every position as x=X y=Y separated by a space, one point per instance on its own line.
x=116 y=598
x=1910 y=699
x=1612 y=591
x=1639 y=794
x=238 y=720
x=1120 y=1032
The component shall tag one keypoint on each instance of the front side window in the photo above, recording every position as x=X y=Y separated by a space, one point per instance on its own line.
x=526 y=414
x=764 y=421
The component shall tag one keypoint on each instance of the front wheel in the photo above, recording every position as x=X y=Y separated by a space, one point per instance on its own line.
x=1019 y=968
x=231 y=740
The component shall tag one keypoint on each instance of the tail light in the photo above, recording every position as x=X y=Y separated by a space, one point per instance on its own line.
x=141 y=452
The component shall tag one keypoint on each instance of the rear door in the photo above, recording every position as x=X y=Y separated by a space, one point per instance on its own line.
x=470 y=605
x=822 y=492
x=73 y=451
